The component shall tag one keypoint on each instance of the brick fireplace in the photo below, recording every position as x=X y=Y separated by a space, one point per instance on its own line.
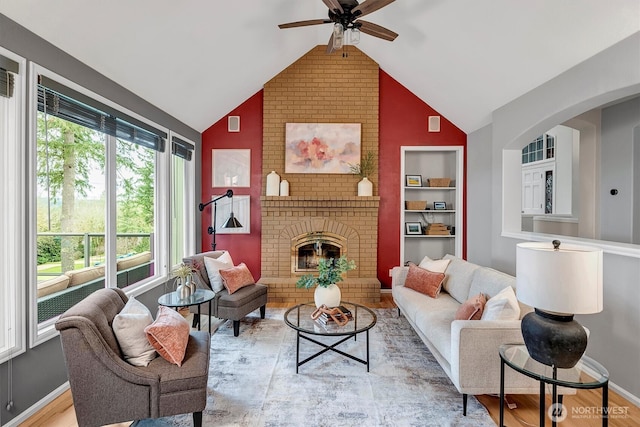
x=349 y=225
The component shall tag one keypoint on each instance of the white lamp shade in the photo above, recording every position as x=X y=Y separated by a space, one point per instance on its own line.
x=567 y=280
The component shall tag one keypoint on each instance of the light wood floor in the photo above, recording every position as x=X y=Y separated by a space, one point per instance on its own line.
x=60 y=413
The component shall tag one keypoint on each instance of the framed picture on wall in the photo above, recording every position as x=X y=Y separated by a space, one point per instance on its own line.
x=321 y=147
x=231 y=167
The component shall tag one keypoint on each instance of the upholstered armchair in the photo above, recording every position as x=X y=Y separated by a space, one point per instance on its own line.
x=233 y=306
x=106 y=389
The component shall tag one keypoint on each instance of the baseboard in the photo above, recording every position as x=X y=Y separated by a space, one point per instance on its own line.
x=39 y=405
x=613 y=386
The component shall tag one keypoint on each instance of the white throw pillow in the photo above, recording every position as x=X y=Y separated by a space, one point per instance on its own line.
x=434 y=265
x=502 y=306
x=213 y=266
x=128 y=327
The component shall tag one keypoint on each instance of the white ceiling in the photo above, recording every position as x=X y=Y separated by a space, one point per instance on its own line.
x=199 y=59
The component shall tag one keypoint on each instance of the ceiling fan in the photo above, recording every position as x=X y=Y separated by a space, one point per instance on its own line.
x=345 y=15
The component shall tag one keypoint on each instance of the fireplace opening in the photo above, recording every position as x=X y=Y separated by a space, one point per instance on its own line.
x=311 y=248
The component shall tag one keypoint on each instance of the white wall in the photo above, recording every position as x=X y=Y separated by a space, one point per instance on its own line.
x=617 y=166
x=608 y=76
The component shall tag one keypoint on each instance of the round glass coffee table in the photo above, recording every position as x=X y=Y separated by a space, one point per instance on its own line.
x=299 y=318
x=200 y=296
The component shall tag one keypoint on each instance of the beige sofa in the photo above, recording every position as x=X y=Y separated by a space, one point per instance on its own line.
x=467 y=350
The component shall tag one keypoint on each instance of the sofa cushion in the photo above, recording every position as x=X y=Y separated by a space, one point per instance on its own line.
x=133 y=260
x=490 y=282
x=169 y=335
x=472 y=308
x=236 y=277
x=503 y=306
x=436 y=326
x=412 y=302
x=84 y=275
x=128 y=326
x=53 y=285
x=435 y=265
x=213 y=267
x=424 y=281
x=458 y=278
x=197 y=263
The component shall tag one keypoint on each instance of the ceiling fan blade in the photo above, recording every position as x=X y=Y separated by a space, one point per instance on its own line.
x=304 y=23
x=330 y=48
x=368 y=6
x=377 y=31
x=334 y=6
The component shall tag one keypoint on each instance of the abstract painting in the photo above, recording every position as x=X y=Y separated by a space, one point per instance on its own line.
x=321 y=147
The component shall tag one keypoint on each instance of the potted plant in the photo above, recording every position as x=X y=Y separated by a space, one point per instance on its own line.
x=365 y=168
x=330 y=272
x=183 y=276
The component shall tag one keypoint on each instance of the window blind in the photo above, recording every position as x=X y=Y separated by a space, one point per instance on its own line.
x=182 y=148
x=8 y=68
x=61 y=101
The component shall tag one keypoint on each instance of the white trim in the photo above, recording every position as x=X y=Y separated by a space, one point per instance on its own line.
x=44 y=331
x=12 y=292
x=39 y=405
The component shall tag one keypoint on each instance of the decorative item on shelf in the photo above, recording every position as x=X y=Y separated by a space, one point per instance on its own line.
x=413 y=181
x=273 y=184
x=365 y=169
x=437 y=229
x=330 y=272
x=284 y=187
x=439 y=182
x=558 y=282
x=415 y=205
x=439 y=206
x=232 y=222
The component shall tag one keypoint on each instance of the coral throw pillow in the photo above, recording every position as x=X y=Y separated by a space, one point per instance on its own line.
x=472 y=308
x=424 y=281
x=236 y=277
x=169 y=335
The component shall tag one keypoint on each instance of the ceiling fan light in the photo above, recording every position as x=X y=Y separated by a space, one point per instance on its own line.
x=354 y=37
x=338 y=36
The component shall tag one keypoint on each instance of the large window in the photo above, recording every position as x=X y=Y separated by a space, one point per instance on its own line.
x=12 y=171
x=97 y=183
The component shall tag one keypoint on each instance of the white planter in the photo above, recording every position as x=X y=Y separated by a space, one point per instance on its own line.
x=365 y=187
x=329 y=296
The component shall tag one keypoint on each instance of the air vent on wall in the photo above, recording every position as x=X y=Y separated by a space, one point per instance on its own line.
x=233 y=123
x=434 y=123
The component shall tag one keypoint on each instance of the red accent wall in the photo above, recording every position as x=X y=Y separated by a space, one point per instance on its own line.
x=403 y=121
x=243 y=247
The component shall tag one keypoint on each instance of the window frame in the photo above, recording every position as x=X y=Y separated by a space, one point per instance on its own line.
x=41 y=332
x=12 y=267
x=189 y=202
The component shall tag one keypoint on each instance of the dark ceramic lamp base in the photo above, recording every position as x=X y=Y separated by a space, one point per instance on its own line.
x=552 y=339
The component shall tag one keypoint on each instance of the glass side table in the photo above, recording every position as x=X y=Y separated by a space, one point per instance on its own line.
x=587 y=374
x=200 y=296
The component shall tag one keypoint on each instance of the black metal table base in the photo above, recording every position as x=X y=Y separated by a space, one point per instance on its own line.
x=331 y=347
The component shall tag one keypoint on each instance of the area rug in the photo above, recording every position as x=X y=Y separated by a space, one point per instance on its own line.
x=253 y=380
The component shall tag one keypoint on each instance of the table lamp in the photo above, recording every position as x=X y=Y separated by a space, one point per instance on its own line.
x=557 y=282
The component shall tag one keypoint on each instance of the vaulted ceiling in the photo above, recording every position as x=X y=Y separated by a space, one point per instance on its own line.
x=199 y=59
